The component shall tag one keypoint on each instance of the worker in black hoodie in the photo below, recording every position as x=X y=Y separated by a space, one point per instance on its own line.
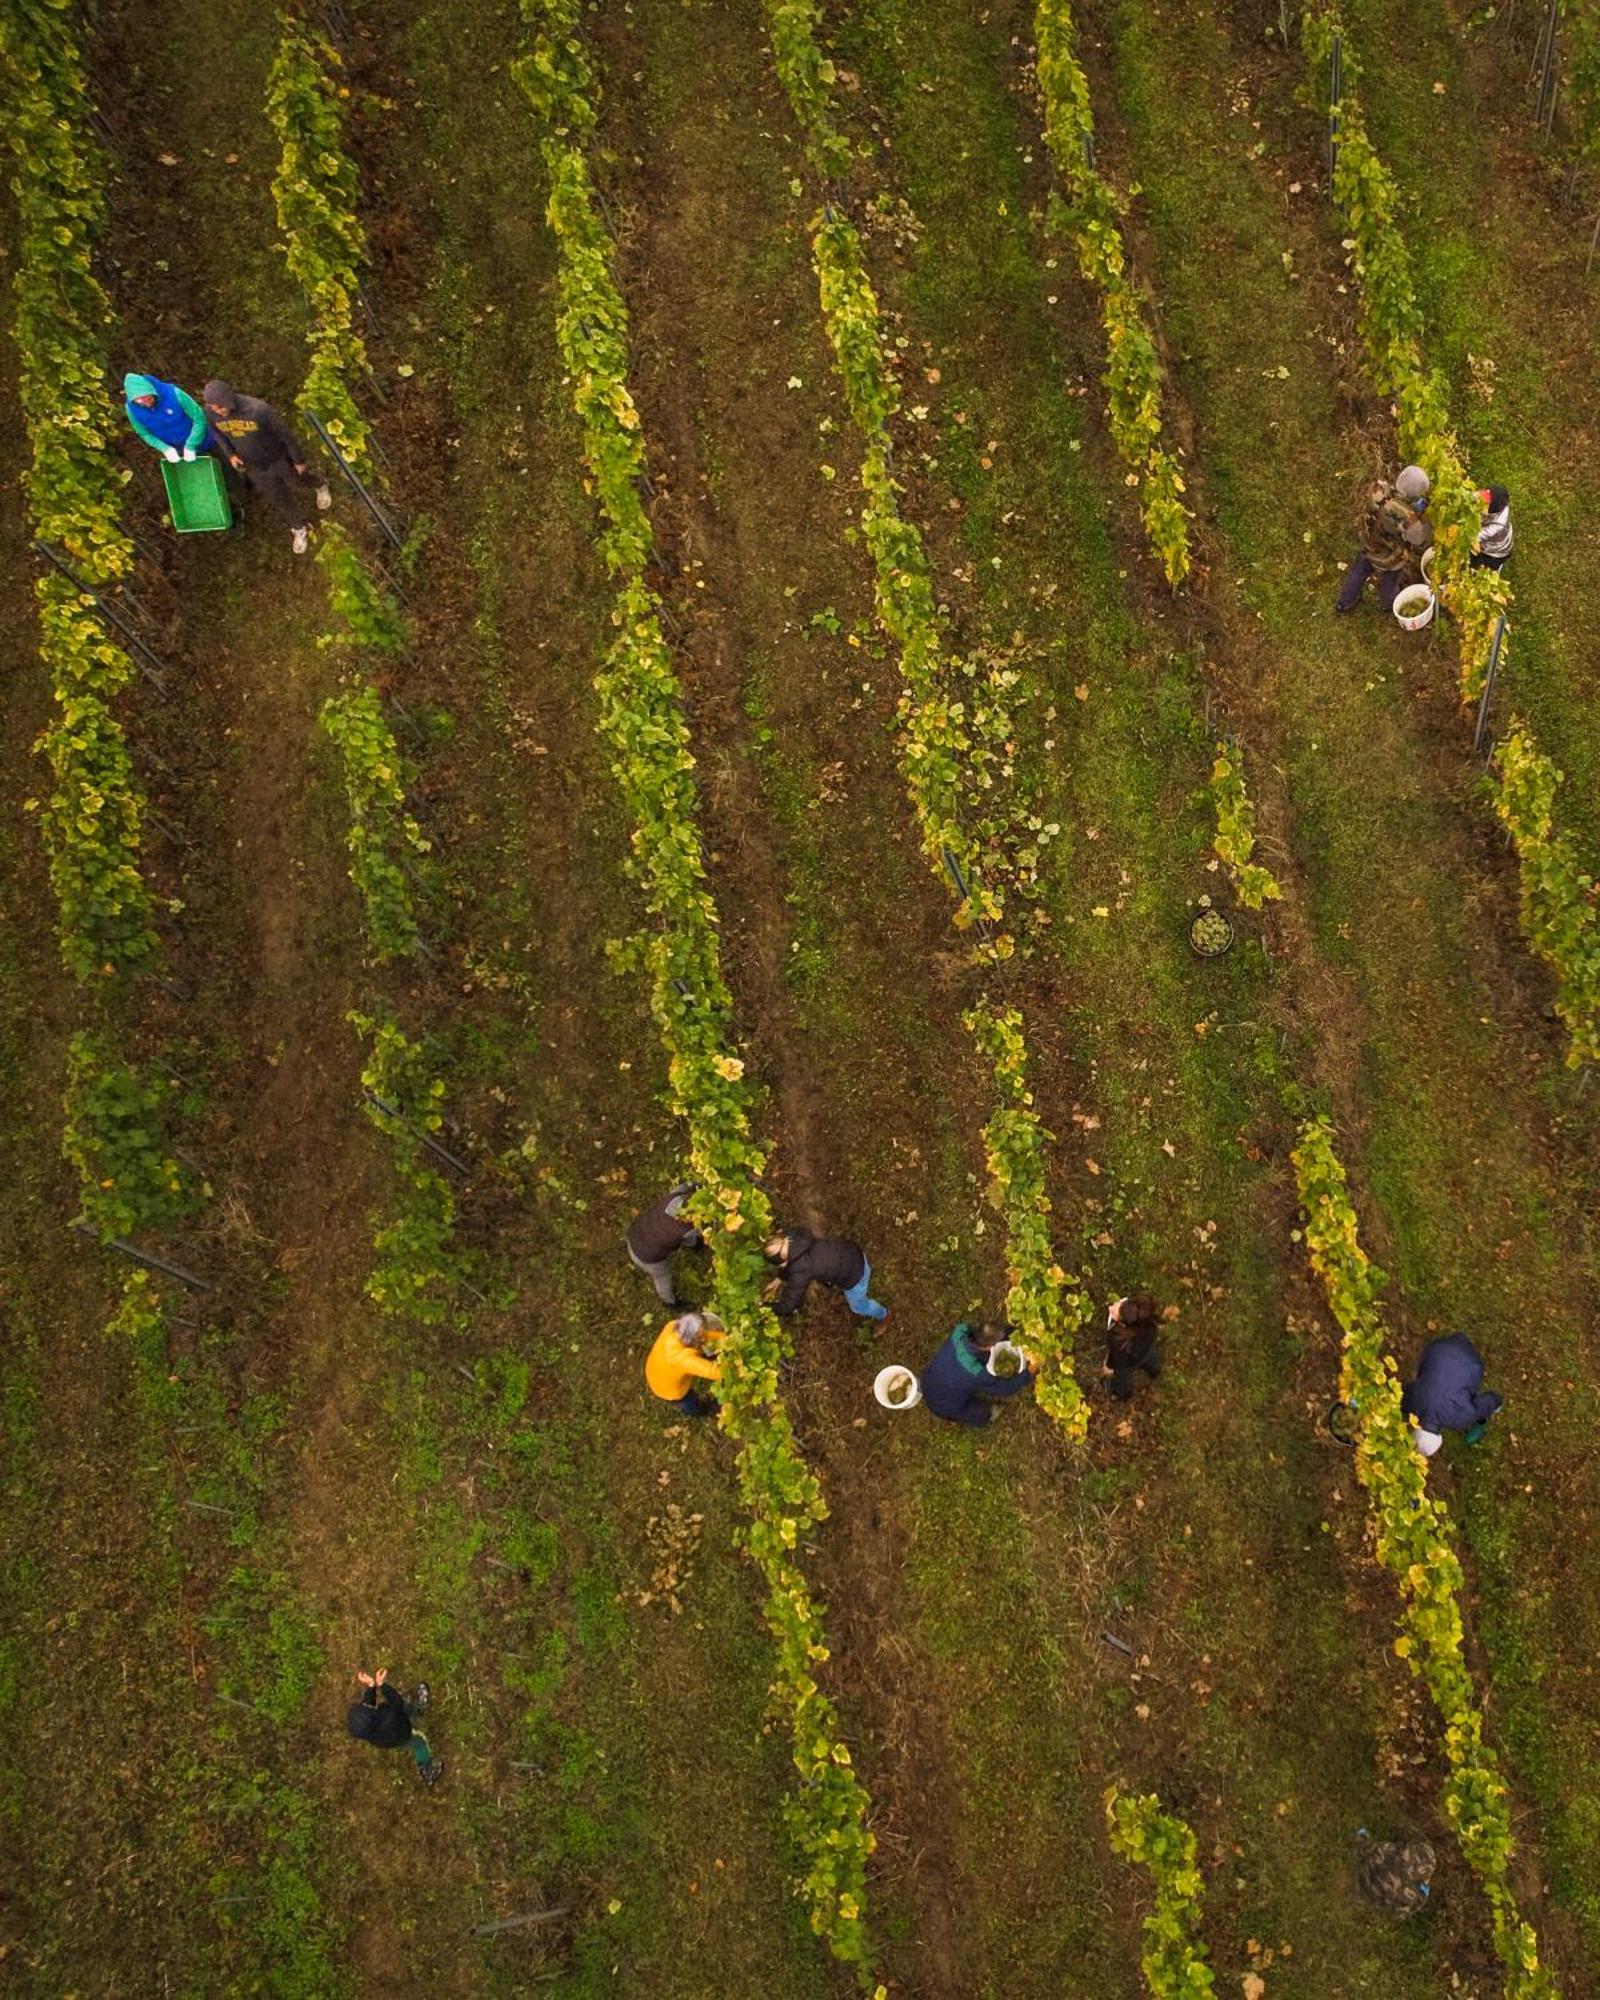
x=261 y=446
x=804 y=1260
x=384 y=1717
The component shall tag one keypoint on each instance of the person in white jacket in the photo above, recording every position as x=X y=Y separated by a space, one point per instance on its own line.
x=1494 y=537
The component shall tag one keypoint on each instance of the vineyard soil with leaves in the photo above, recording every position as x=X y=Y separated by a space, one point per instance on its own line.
x=827 y=687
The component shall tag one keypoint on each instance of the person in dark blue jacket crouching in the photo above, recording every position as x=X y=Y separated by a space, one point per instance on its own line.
x=1447 y=1393
x=957 y=1385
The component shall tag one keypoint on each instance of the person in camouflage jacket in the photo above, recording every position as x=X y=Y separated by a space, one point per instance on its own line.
x=1394 y=534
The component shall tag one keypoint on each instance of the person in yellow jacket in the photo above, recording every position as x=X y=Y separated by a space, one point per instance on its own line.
x=678 y=1358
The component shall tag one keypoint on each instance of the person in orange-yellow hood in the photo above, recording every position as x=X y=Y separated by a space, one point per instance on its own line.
x=678 y=1360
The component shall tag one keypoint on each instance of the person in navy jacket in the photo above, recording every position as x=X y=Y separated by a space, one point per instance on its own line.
x=1447 y=1393
x=957 y=1385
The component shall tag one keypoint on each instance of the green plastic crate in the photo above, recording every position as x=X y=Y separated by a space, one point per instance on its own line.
x=197 y=495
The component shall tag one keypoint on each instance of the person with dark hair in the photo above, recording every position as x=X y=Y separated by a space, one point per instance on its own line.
x=1447 y=1394
x=804 y=1260
x=957 y=1383
x=1494 y=537
x=678 y=1360
x=657 y=1233
x=1133 y=1328
x=1393 y=537
x=1393 y=1876
x=261 y=445
x=385 y=1717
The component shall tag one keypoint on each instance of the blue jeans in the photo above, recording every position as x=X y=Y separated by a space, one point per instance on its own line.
x=694 y=1404
x=1356 y=577
x=858 y=1300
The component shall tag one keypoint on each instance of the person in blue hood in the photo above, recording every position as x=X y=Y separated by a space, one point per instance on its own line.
x=957 y=1385
x=1447 y=1393
x=168 y=418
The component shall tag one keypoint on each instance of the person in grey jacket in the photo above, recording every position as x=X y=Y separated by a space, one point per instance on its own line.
x=657 y=1234
x=261 y=445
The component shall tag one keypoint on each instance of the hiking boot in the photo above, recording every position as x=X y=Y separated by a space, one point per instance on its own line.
x=420 y=1698
x=431 y=1772
x=302 y=539
x=324 y=499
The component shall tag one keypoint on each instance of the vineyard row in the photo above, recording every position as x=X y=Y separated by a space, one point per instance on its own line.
x=642 y=720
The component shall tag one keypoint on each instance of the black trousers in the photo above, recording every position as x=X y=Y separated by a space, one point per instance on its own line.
x=294 y=494
x=1124 y=1380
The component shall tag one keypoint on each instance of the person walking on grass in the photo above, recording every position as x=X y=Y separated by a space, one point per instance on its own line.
x=1494 y=536
x=657 y=1234
x=386 y=1718
x=957 y=1384
x=678 y=1360
x=1447 y=1394
x=1133 y=1345
x=168 y=419
x=1393 y=537
x=259 y=444
x=804 y=1260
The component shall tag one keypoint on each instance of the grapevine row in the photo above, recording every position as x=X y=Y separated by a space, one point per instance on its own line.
x=1044 y=1304
x=1094 y=215
x=1559 y=912
x=1236 y=830
x=938 y=750
x=383 y=836
x=1582 y=22
x=641 y=718
x=1414 y=1538
x=417 y=1268
x=315 y=191
x=1174 y=1959
x=94 y=816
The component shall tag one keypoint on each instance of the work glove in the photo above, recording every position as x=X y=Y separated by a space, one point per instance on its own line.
x=173 y=454
x=188 y=455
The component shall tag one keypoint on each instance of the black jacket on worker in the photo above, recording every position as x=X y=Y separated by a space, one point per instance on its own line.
x=380 y=1717
x=817 y=1260
x=662 y=1228
x=1447 y=1393
x=252 y=430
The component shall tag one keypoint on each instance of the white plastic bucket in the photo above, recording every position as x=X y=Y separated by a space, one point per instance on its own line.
x=895 y=1377
x=1010 y=1349
x=1428 y=555
x=1414 y=606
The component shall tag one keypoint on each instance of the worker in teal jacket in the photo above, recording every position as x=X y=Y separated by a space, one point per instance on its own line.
x=168 y=419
